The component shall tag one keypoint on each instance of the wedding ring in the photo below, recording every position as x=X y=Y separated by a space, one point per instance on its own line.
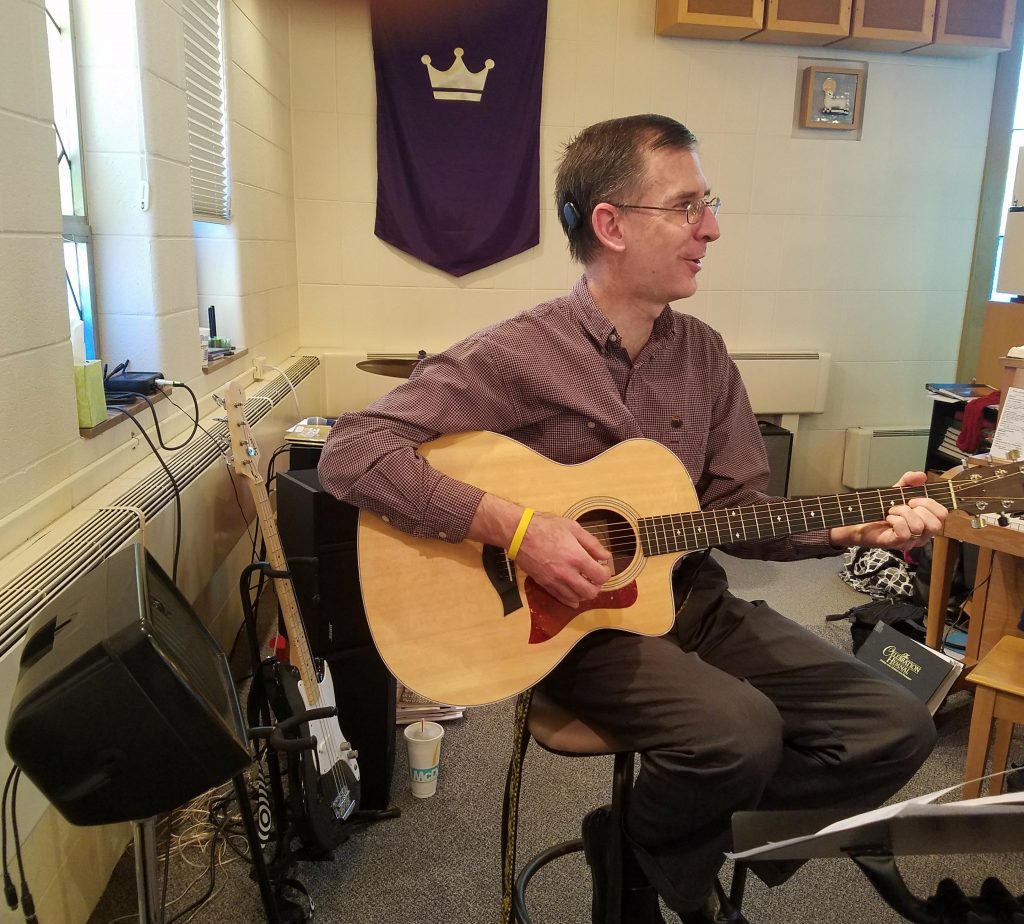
x=916 y=535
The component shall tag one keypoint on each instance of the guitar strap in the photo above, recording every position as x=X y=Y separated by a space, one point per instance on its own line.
x=510 y=808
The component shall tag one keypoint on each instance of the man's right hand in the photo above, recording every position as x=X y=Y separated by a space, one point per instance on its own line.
x=566 y=560
x=559 y=554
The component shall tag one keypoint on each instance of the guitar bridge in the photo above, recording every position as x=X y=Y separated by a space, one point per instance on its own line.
x=501 y=572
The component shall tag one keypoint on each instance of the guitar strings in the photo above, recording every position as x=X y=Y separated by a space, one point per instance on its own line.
x=624 y=537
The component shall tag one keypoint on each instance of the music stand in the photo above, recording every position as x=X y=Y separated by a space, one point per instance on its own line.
x=875 y=839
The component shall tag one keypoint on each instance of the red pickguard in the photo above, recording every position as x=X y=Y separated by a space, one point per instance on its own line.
x=548 y=616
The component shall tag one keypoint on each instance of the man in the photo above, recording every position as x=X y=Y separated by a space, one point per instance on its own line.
x=737 y=707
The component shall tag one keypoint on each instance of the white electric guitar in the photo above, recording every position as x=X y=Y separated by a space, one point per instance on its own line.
x=329 y=775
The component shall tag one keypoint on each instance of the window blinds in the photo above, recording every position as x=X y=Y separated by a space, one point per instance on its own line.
x=204 y=94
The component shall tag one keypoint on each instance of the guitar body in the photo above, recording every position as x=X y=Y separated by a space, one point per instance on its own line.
x=457 y=624
x=324 y=784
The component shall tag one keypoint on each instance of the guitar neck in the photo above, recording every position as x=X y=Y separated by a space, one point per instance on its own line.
x=702 y=529
x=298 y=644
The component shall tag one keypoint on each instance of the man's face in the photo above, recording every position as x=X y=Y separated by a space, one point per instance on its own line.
x=665 y=252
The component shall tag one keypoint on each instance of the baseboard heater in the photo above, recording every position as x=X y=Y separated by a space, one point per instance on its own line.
x=109 y=529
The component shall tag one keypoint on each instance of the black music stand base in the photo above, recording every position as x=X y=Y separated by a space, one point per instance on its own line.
x=874 y=846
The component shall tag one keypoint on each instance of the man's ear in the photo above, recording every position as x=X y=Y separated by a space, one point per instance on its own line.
x=606 y=220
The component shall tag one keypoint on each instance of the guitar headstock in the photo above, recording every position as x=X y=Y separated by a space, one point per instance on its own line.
x=996 y=488
x=245 y=454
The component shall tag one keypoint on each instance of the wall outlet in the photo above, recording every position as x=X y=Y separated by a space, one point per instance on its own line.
x=259 y=369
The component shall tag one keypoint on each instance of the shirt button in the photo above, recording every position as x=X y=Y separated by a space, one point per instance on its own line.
x=614 y=338
x=442 y=535
x=591 y=424
x=386 y=519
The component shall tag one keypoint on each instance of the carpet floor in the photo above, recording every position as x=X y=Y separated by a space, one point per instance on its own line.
x=440 y=860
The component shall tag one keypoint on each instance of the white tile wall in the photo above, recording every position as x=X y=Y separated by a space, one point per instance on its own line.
x=861 y=248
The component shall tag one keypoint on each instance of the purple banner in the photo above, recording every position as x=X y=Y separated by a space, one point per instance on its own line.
x=458 y=128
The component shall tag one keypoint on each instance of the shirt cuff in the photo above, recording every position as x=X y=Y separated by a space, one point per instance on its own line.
x=451 y=509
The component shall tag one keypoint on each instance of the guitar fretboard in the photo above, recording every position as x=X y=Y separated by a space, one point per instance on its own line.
x=702 y=529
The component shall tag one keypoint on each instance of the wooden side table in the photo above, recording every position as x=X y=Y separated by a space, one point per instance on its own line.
x=998 y=596
x=998 y=705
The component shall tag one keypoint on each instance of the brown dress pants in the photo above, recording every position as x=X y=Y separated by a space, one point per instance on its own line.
x=736 y=708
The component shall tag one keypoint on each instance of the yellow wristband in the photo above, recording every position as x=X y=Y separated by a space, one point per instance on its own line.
x=517 y=538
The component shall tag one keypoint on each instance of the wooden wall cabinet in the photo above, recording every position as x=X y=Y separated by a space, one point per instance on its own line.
x=967 y=28
x=890 y=25
x=805 y=22
x=710 y=19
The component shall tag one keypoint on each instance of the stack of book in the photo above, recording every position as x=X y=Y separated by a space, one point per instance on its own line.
x=312 y=431
x=411 y=707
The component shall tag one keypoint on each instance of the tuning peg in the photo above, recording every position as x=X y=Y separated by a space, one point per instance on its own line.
x=218 y=400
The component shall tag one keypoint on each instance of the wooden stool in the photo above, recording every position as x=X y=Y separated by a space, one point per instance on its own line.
x=998 y=704
x=564 y=734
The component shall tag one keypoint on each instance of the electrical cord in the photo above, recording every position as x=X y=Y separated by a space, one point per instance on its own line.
x=156 y=420
x=290 y=385
x=28 y=906
x=174 y=484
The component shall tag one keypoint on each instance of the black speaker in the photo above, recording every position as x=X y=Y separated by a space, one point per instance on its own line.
x=314 y=524
x=124 y=706
x=365 y=694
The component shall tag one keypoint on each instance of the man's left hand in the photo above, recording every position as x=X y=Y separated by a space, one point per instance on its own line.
x=907 y=526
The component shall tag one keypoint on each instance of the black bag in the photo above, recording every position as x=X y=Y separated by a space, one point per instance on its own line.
x=907 y=618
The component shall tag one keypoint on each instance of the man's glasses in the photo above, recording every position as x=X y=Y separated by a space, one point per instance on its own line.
x=694 y=210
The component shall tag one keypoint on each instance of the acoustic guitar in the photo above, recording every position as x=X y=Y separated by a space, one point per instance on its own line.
x=459 y=624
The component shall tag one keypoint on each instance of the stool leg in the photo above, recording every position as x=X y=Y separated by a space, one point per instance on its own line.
x=977 y=744
x=622 y=783
x=1000 y=753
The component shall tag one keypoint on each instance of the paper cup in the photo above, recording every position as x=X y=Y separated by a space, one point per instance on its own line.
x=423 y=739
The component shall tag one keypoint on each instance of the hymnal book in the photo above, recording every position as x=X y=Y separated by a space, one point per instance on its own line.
x=927 y=673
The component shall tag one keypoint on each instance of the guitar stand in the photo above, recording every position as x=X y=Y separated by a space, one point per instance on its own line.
x=276 y=876
x=273 y=877
x=875 y=844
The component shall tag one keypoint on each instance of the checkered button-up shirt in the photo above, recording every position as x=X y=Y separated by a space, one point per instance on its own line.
x=557 y=379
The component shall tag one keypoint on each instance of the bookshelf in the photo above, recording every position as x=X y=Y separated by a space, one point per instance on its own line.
x=947 y=423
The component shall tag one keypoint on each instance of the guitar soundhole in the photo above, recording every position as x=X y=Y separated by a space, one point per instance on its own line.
x=615 y=533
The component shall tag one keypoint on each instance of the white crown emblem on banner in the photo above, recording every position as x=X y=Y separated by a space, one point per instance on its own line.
x=458 y=82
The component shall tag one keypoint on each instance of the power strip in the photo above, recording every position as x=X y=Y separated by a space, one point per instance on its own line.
x=145 y=383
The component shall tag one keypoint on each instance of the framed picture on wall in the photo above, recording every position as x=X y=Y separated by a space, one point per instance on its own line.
x=832 y=98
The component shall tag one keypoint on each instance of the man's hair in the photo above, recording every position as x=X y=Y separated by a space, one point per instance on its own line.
x=605 y=163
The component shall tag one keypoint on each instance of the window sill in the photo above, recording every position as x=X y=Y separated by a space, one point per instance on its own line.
x=114 y=418
x=216 y=364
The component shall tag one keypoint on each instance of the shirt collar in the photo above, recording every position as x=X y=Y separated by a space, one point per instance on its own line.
x=601 y=330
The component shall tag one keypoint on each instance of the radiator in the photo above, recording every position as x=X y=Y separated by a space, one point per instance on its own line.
x=107 y=530
x=878 y=456
x=785 y=383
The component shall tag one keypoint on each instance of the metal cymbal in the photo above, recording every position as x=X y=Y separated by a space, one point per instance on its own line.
x=397 y=366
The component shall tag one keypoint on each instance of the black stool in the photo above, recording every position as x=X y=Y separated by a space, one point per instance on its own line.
x=562 y=733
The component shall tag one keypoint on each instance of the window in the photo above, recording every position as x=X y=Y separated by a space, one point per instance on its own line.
x=1016 y=144
x=77 y=234
x=204 y=94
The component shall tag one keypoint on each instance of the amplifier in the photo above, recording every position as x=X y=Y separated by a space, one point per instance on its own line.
x=124 y=706
x=314 y=524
